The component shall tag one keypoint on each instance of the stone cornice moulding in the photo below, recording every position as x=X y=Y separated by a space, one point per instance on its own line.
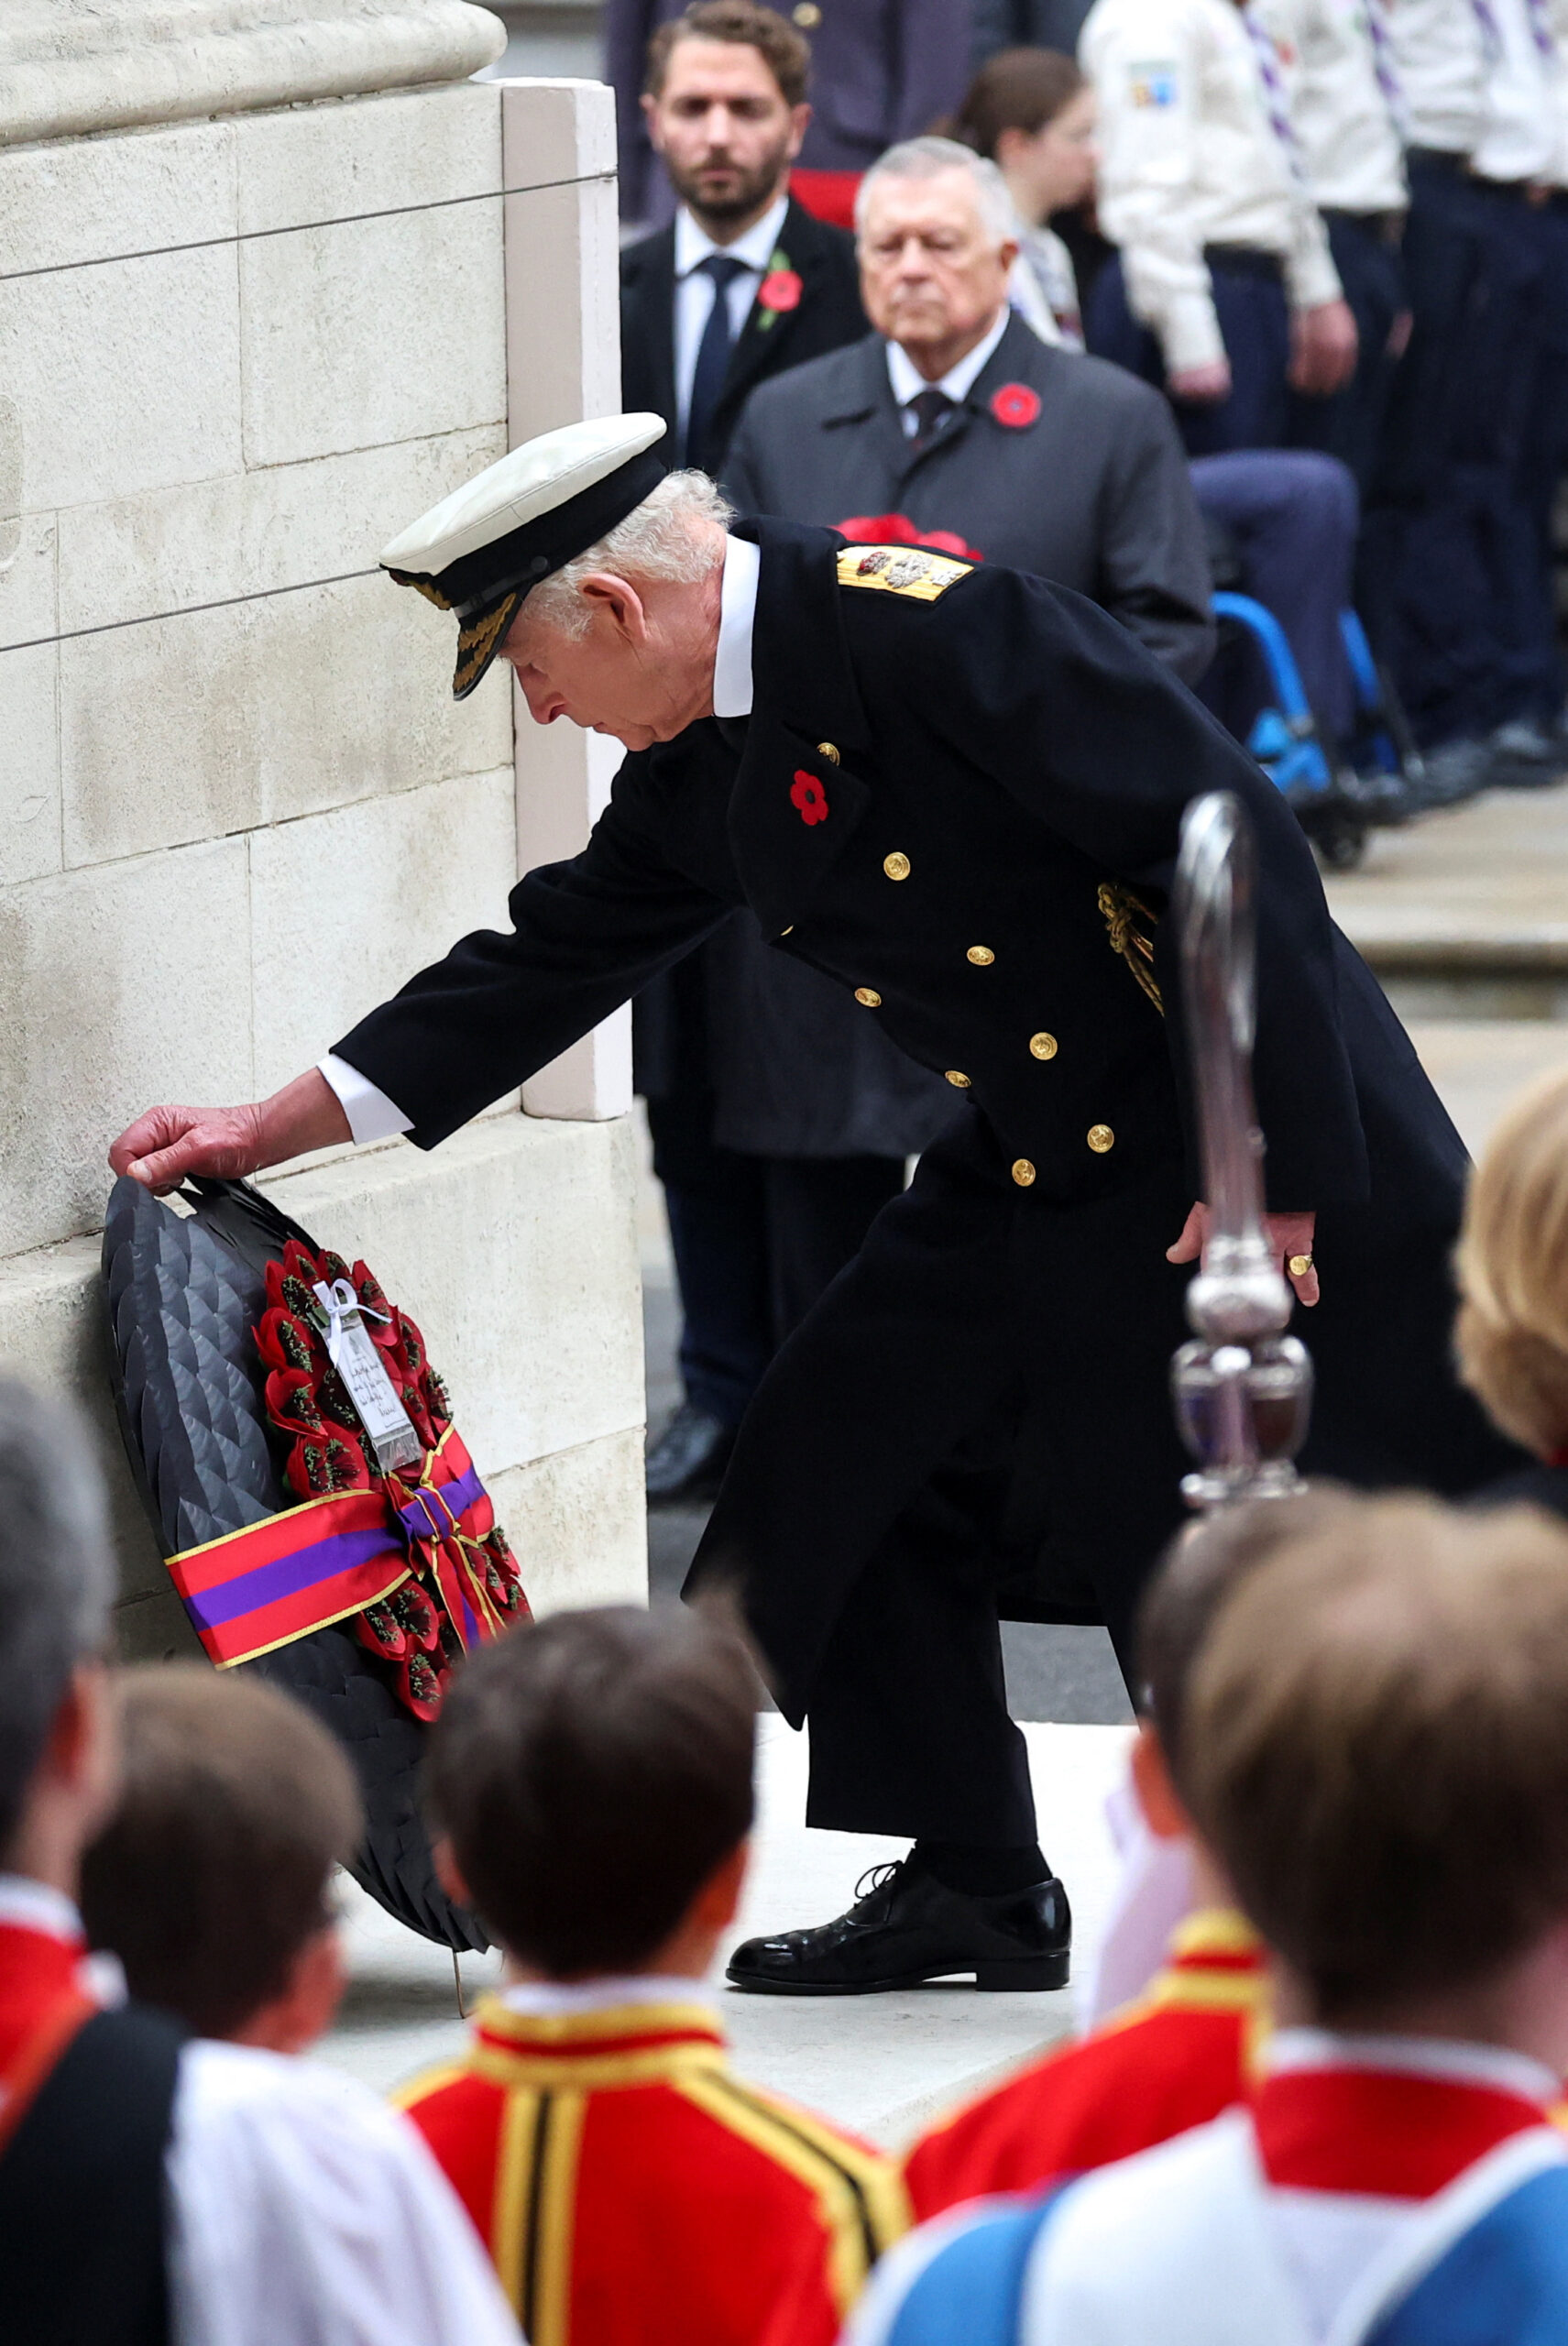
x=68 y=68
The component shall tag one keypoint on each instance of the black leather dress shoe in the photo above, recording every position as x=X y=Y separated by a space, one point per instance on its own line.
x=689 y=1459
x=909 y=1927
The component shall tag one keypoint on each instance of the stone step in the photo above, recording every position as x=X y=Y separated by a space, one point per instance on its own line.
x=884 y=2066
x=1464 y=914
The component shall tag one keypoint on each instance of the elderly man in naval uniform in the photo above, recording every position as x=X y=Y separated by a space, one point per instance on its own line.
x=956 y=791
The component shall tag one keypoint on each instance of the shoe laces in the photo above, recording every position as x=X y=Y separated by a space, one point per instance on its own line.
x=878 y=1878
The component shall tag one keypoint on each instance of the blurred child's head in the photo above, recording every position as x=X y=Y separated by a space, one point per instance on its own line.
x=591 y=1776
x=1512 y=1264
x=1376 y=1746
x=212 y=1880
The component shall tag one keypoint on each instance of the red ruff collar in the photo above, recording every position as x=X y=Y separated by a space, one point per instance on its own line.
x=1379 y=2130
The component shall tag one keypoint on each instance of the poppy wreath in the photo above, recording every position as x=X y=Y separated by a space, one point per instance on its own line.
x=412 y=1557
x=460 y=1579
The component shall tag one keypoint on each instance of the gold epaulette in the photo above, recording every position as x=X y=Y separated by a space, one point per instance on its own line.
x=900 y=570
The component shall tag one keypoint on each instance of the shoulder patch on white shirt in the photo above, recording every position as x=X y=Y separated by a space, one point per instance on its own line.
x=1152 y=86
x=900 y=570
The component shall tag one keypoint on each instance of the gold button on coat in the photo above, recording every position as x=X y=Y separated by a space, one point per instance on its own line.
x=873 y=1001
x=1023 y=1172
x=896 y=866
x=956 y=1076
x=826 y=749
x=981 y=956
x=1044 y=1046
x=1100 y=1138
x=808 y=15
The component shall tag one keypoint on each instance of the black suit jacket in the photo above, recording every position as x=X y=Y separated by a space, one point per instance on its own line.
x=827 y=315
x=1093 y=493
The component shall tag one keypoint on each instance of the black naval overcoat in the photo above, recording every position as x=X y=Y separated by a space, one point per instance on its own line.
x=959 y=796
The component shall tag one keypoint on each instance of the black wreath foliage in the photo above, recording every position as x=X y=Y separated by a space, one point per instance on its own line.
x=184 y=1293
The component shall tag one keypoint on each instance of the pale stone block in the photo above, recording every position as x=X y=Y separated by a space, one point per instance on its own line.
x=563 y=312
x=155 y=1628
x=346 y=906
x=556 y=129
x=379 y=330
x=136 y=983
x=29 y=764
x=99 y=199
x=29 y=544
x=513 y=1247
x=208 y=542
x=187 y=727
x=125 y=377
x=564 y=779
x=53 y=1333
x=578 y=1523
x=379 y=154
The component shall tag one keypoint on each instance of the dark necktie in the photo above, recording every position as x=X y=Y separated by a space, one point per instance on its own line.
x=930 y=409
x=712 y=355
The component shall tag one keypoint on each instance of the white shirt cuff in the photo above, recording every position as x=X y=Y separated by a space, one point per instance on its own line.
x=371 y=1115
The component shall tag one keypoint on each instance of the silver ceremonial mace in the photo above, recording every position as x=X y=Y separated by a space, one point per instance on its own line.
x=1243 y=1388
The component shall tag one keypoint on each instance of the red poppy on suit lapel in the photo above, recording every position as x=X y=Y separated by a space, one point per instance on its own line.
x=780 y=290
x=807 y=795
x=1016 y=405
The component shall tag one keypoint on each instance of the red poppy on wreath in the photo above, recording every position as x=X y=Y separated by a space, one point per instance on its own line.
x=898 y=530
x=1016 y=405
x=780 y=290
x=807 y=794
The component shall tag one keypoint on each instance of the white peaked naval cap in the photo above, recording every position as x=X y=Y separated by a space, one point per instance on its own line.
x=480 y=550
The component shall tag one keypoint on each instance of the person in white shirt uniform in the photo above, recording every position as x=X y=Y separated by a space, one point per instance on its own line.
x=152 y=2187
x=1344 y=109
x=1224 y=290
x=1452 y=591
x=1032 y=113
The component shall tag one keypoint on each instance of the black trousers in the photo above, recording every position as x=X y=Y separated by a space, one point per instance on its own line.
x=1350 y=425
x=975 y=1424
x=756 y=1241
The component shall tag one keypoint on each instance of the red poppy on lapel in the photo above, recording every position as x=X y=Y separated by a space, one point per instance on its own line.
x=898 y=530
x=806 y=794
x=780 y=290
x=1016 y=405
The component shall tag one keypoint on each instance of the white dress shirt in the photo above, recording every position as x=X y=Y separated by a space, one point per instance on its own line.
x=694 y=291
x=542 y=1998
x=1437 y=53
x=1189 y=155
x=302 y=2211
x=1521 y=132
x=1043 y=287
x=371 y=1115
x=1341 y=115
x=908 y=382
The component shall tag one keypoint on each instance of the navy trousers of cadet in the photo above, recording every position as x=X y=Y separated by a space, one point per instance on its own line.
x=1010 y=1358
x=1543 y=459
x=1449 y=574
x=1350 y=425
x=1249 y=302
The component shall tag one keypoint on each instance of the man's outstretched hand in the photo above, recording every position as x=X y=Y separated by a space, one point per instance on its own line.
x=1288 y=1234
x=166 y=1144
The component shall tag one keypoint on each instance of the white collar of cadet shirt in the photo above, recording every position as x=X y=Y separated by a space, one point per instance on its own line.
x=737 y=617
x=755 y=248
x=958 y=381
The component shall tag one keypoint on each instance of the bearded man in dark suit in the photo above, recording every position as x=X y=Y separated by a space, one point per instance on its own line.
x=743 y=285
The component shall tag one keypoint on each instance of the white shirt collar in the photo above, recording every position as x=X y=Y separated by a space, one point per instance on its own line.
x=737 y=617
x=28 y=1905
x=756 y=248
x=1464 y=2063
x=957 y=382
x=538 y=1998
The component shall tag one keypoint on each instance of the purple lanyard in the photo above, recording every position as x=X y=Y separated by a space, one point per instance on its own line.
x=1384 y=67
x=1276 y=103
x=1541 y=27
x=1491 y=31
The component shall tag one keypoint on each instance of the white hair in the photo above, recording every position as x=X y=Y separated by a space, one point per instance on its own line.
x=924 y=158
x=657 y=540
